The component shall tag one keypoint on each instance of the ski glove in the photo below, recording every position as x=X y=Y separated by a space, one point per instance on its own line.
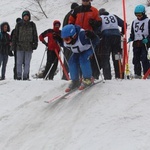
x=145 y=41
x=94 y=23
x=57 y=37
x=89 y=34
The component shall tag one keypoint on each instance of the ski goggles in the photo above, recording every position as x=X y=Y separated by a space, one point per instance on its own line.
x=139 y=15
x=85 y=0
x=67 y=40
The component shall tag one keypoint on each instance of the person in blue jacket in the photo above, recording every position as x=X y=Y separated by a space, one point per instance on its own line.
x=77 y=40
x=140 y=35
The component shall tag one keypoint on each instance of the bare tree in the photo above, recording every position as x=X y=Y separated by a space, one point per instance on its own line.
x=148 y=2
x=38 y=2
x=36 y=8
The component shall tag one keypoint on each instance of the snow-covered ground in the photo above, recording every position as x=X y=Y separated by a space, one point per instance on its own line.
x=111 y=116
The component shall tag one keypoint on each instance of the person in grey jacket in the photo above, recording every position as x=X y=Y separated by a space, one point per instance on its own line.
x=24 y=41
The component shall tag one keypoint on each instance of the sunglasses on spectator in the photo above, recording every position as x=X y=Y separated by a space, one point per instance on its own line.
x=67 y=40
x=85 y=0
x=139 y=15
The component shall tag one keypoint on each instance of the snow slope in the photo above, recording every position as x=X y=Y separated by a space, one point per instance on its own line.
x=111 y=116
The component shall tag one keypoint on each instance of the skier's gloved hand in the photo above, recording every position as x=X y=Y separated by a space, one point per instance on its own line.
x=145 y=41
x=89 y=34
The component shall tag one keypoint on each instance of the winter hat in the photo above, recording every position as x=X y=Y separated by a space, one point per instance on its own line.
x=2 y=25
x=74 y=5
x=26 y=12
x=18 y=20
x=56 y=22
x=103 y=11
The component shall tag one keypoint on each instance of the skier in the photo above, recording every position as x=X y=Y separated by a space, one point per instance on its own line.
x=77 y=40
x=110 y=34
x=140 y=35
x=87 y=17
x=52 y=44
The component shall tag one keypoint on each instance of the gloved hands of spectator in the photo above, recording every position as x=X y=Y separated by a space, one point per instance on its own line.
x=10 y=53
x=145 y=41
x=89 y=34
x=56 y=37
x=45 y=43
x=34 y=46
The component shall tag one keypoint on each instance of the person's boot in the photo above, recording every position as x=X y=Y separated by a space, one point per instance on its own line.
x=74 y=84
x=85 y=83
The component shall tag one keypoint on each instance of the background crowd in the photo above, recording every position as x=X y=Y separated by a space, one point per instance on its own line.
x=96 y=35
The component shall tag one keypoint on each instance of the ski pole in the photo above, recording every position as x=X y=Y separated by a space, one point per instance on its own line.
x=96 y=61
x=50 y=69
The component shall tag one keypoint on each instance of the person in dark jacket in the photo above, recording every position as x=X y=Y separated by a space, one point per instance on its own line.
x=4 y=48
x=140 y=35
x=53 y=35
x=67 y=53
x=24 y=41
x=15 y=54
x=110 y=33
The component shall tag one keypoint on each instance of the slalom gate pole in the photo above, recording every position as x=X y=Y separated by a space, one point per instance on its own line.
x=125 y=53
x=62 y=65
x=97 y=61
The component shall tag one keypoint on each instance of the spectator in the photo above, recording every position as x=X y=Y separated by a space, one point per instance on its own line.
x=110 y=34
x=140 y=35
x=4 y=48
x=66 y=52
x=52 y=44
x=15 y=54
x=25 y=40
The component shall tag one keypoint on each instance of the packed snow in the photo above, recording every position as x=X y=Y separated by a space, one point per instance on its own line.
x=110 y=116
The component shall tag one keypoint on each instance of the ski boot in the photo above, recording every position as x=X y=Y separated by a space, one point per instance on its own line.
x=85 y=83
x=74 y=84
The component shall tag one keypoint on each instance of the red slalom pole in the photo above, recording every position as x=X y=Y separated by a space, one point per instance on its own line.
x=63 y=67
x=125 y=54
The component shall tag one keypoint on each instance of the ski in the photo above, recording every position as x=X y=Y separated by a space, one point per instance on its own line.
x=71 y=94
x=61 y=96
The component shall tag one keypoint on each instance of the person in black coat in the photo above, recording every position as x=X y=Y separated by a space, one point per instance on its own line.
x=67 y=53
x=15 y=54
x=4 y=47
